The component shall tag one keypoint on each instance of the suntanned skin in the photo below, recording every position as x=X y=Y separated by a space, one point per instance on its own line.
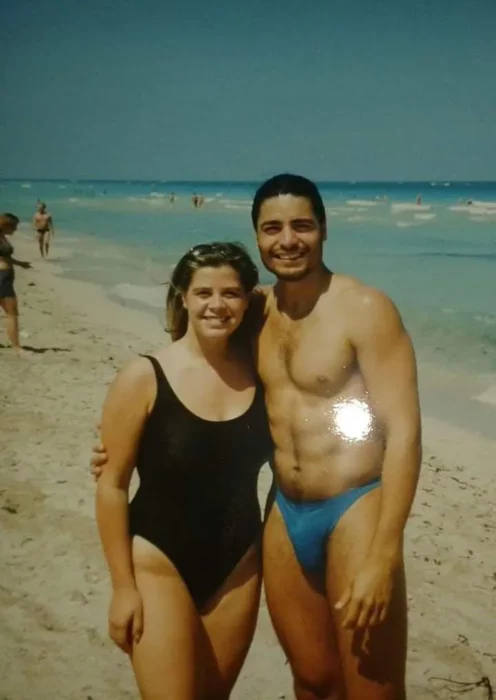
x=326 y=340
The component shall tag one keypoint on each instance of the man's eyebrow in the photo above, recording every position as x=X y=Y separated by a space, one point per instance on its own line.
x=269 y=222
x=296 y=220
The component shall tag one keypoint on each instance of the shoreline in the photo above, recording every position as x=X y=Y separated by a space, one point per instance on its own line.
x=55 y=588
x=449 y=392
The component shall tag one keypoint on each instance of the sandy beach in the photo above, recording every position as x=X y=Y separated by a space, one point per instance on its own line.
x=54 y=586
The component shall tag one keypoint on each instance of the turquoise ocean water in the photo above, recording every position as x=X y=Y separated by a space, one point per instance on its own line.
x=436 y=260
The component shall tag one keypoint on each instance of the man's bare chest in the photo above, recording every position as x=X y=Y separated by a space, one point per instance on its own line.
x=312 y=356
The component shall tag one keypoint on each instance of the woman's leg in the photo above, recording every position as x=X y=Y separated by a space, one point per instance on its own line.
x=229 y=622
x=182 y=654
x=166 y=660
x=10 y=306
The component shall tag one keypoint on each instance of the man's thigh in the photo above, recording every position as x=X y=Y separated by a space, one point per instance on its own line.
x=300 y=613
x=373 y=662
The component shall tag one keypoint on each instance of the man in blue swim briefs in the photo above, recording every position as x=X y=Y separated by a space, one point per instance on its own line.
x=339 y=374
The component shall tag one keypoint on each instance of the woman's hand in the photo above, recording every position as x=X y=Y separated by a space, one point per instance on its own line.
x=21 y=263
x=126 y=618
x=99 y=457
x=98 y=460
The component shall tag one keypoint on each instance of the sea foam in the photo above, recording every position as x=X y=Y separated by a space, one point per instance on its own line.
x=151 y=296
x=407 y=206
x=361 y=203
x=488 y=395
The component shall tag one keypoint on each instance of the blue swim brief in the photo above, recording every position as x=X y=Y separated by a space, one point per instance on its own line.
x=310 y=524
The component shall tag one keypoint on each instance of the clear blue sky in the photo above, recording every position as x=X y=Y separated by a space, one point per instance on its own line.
x=169 y=89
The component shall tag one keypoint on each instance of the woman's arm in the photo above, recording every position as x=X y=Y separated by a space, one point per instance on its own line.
x=20 y=263
x=125 y=411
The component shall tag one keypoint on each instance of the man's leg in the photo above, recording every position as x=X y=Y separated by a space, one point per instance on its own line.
x=374 y=662
x=301 y=617
x=41 y=244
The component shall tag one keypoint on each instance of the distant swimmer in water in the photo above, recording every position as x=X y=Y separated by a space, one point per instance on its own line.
x=419 y=199
x=195 y=200
x=43 y=224
x=172 y=197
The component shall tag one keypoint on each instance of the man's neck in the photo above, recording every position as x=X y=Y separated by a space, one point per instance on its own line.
x=297 y=299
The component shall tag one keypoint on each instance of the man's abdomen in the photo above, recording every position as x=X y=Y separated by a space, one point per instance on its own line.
x=324 y=446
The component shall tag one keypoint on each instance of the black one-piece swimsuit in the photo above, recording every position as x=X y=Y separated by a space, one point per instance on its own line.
x=197 y=499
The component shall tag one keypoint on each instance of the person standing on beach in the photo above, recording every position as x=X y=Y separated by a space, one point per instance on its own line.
x=43 y=224
x=339 y=373
x=184 y=555
x=340 y=380
x=8 y=297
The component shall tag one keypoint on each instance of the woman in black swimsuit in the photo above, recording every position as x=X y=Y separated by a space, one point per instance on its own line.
x=8 y=297
x=183 y=555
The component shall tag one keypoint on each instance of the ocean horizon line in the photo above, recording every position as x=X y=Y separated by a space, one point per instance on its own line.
x=155 y=181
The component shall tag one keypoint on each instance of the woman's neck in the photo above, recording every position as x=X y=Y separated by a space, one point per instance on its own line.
x=214 y=351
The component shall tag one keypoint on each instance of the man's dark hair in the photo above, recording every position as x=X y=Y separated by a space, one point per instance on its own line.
x=296 y=185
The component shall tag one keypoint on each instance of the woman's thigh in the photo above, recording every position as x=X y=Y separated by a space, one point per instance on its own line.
x=10 y=306
x=167 y=658
x=183 y=654
x=229 y=622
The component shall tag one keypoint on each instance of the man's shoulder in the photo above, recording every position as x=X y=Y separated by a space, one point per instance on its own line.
x=354 y=294
x=365 y=307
